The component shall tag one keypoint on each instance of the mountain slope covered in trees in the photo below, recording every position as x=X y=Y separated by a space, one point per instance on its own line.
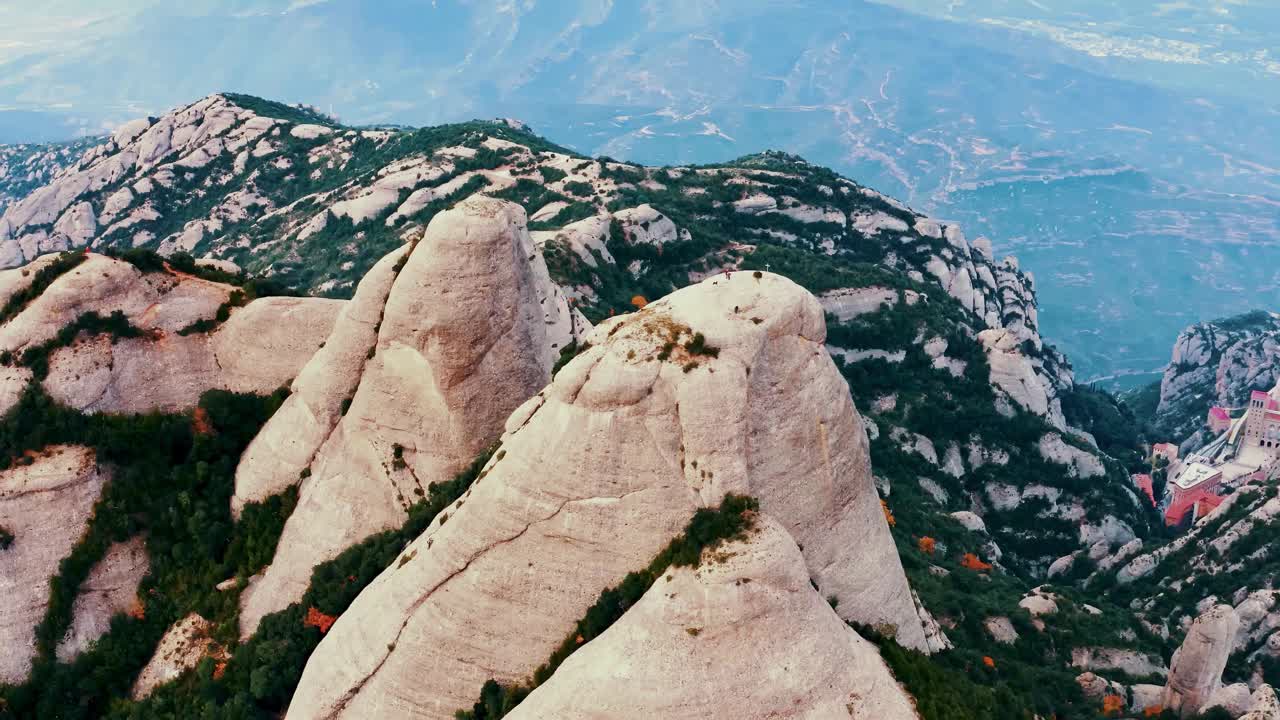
x=994 y=469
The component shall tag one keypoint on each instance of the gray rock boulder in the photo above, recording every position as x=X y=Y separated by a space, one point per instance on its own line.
x=1039 y=602
x=1195 y=673
x=971 y=521
x=1061 y=566
x=1263 y=705
x=1001 y=630
x=1235 y=699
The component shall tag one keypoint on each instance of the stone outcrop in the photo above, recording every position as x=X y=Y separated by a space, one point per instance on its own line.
x=750 y=616
x=1263 y=705
x=110 y=589
x=1001 y=629
x=1096 y=687
x=1236 y=699
x=183 y=140
x=1195 y=673
x=1016 y=375
x=1259 y=618
x=260 y=347
x=152 y=301
x=181 y=648
x=1039 y=602
x=26 y=167
x=1131 y=662
x=970 y=520
x=1080 y=463
x=848 y=303
x=1217 y=363
x=597 y=473
x=45 y=505
x=287 y=444
x=471 y=328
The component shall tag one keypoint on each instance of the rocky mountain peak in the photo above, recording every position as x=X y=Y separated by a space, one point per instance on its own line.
x=468 y=328
x=707 y=392
x=763 y=329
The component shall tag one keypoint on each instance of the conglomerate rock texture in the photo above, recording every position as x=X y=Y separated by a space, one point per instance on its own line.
x=1196 y=670
x=46 y=506
x=700 y=641
x=471 y=328
x=722 y=387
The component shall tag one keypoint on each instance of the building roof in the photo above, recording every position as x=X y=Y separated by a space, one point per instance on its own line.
x=1143 y=483
x=1165 y=448
x=1194 y=474
x=1268 y=402
x=1218 y=413
x=1206 y=504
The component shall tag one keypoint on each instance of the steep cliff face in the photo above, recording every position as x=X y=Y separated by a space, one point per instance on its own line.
x=1196 y=670
x=1217 y=363
x=471 y=328
x=749 y=615
x=721 y=387
x=285 y=448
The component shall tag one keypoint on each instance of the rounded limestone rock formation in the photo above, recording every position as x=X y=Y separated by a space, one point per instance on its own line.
x=1195 y=672
x=721 y=387
x=180 y=649
x=287 y=444
x=259 y=348
x=743 y=635
x=110 y=589
x=45 y=506
x=164 y=366
x=470 y=330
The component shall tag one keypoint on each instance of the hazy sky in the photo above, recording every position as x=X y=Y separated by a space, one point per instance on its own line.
x=108 y=60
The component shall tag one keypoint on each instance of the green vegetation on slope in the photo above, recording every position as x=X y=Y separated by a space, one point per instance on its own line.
x=171 y=485
x=272 y=109
x=259 y=680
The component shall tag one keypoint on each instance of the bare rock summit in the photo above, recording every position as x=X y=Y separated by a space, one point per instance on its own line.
x=471 y=328
x=721 y=387
x=749 y=616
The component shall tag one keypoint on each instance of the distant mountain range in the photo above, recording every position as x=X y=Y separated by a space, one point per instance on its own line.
x=1141 y=199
